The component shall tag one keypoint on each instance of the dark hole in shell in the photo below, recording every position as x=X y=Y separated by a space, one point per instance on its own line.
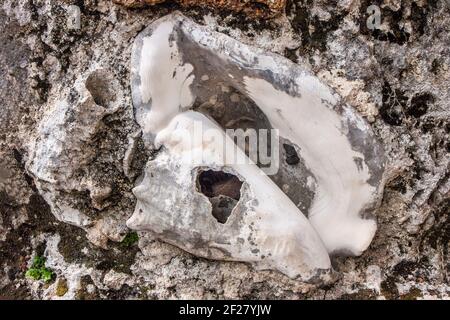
x=292 y=157
x=223 y=191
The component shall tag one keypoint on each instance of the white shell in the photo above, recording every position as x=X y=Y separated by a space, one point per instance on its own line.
x=178 y=65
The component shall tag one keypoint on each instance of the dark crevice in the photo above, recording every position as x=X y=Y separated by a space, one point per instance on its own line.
x=292 y=157
x=394 y=104
x=419 y=104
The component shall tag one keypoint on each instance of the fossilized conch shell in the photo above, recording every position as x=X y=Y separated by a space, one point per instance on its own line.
x=319 y=202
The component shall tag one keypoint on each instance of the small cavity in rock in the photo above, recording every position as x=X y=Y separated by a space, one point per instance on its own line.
x=100 y=85
x=419 y=104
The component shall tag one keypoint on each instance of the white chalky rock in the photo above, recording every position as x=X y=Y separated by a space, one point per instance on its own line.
x=197 y=197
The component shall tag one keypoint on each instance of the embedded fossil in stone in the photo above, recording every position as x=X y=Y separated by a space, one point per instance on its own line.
x=257 y=8
x=329 y=180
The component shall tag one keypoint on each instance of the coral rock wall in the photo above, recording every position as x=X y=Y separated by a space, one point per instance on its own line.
x=65 y=79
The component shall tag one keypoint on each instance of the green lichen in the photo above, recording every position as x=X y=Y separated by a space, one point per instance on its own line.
x=130 y=239
x=38 y=270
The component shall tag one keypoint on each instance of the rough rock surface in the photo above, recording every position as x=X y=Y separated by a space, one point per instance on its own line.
x=70 y=82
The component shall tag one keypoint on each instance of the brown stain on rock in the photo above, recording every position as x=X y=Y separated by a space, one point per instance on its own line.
x=253 y=8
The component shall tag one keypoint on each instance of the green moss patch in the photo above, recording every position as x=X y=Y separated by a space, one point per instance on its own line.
x=38 y=270
x=130 y=239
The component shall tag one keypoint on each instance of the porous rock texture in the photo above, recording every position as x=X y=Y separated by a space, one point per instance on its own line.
x=69 y=201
